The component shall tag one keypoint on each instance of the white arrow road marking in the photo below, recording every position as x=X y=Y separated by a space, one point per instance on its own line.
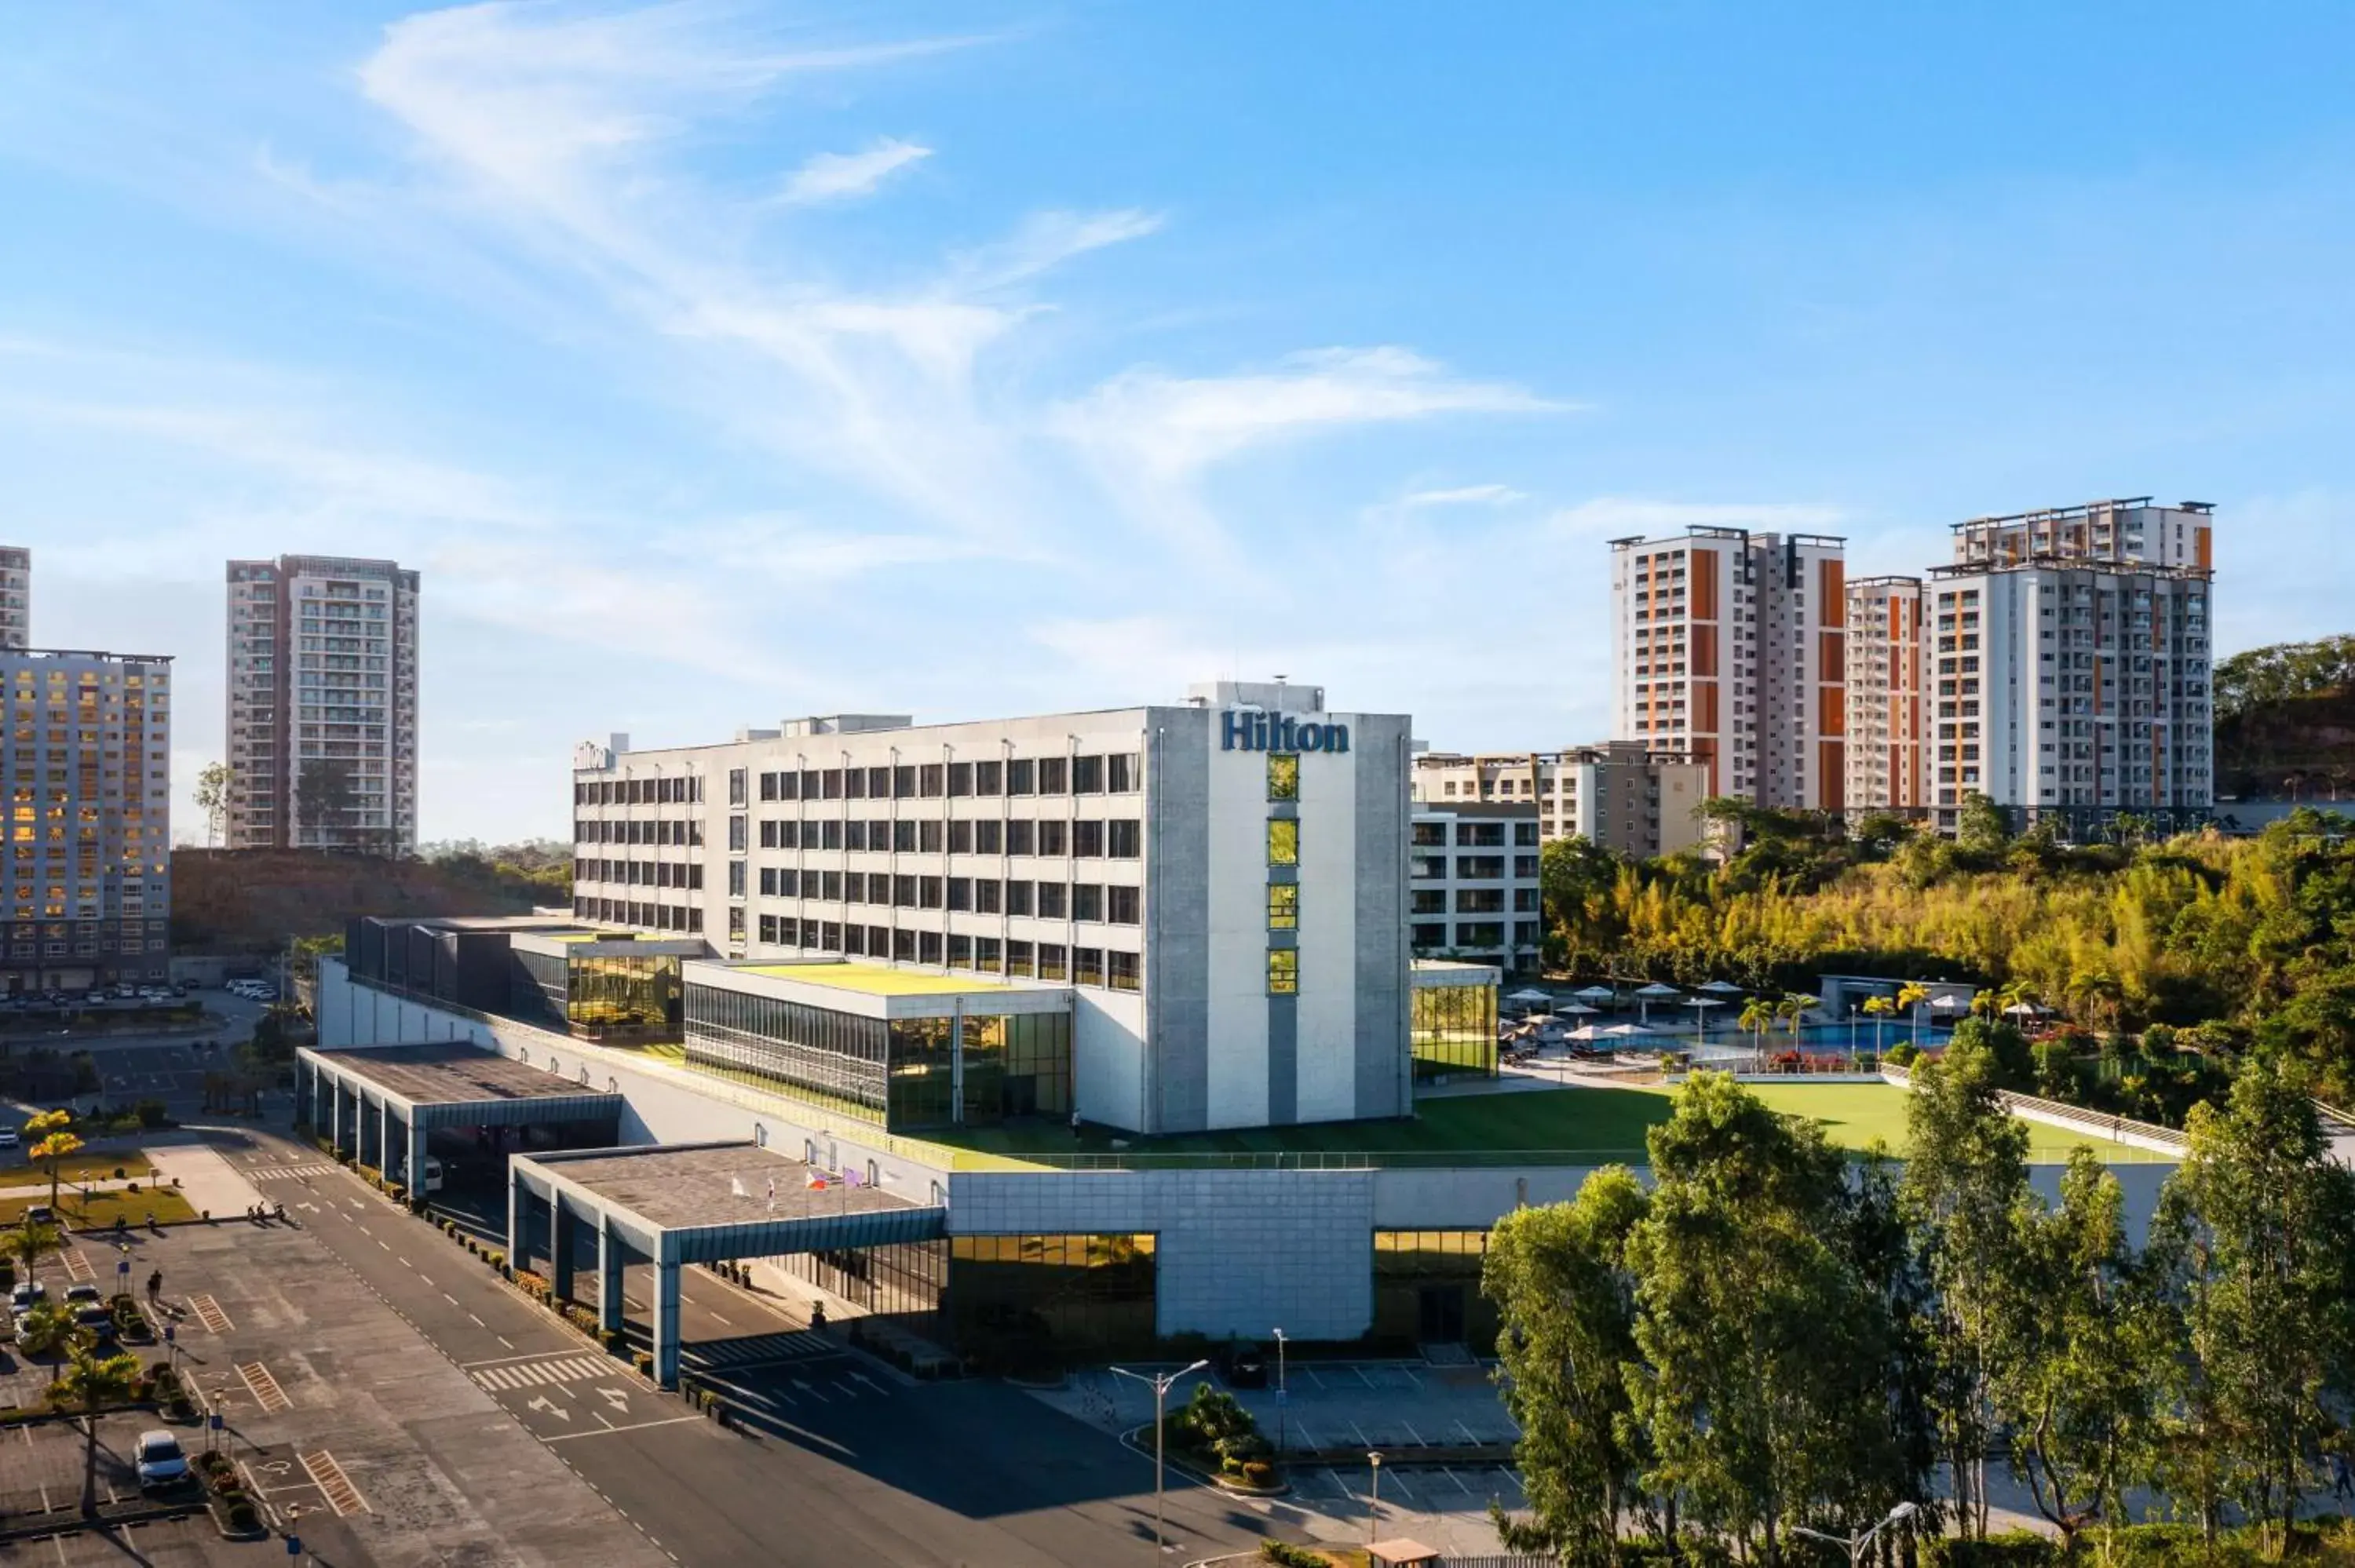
x=544 y=1402
x=616 y=1398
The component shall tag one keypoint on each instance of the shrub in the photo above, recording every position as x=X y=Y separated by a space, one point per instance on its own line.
x=645 y=1362
x=495 y=1258
x=1286 y=1555
x=1259 y=1472
x=532 y=1283
x=242 y=1516
x=118 y=1176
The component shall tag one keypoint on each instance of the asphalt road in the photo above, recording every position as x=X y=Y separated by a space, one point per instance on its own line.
x=875 y=1468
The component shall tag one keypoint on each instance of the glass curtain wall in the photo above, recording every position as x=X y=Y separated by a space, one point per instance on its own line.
x=1427 y=1290
x=627 y=996
x=1037 y=1303
x=537 y=988
x=1454 y=1030
x=904 y=1281
x=835 y=1058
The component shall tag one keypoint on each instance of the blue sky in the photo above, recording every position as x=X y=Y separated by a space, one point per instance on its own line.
x=721 y=361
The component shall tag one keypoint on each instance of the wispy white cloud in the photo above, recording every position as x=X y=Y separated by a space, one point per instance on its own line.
x=835 y=176
x=1044 y=241
x=1463 y=495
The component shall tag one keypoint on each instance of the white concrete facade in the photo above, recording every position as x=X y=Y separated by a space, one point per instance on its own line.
x=1222 y=884
x=1472 y=876
x=1621 y=795
x=321 y=697
x=2072 y=659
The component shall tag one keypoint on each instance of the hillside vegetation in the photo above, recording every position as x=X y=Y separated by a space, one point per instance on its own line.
x=2286 y=721
x=254 y=901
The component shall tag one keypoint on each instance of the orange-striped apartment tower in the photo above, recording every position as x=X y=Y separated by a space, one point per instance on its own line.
x=2071 y=662
x=1729 y=646
x=1888 y=703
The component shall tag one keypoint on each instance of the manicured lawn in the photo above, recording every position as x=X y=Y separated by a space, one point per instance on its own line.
x=101 y=1212
x=1553 y=1125
x=95 y=1165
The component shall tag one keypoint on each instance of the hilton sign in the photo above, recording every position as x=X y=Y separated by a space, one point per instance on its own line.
x=1278 y=732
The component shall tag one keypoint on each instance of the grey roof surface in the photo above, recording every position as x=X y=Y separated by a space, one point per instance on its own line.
x=452 y=1075
x=679 y=1187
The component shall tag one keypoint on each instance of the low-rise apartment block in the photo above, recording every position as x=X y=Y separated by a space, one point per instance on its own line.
x=1620 y=794
x=1472 y=881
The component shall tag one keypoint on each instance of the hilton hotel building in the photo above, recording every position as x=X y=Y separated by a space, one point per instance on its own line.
x=1218 y=887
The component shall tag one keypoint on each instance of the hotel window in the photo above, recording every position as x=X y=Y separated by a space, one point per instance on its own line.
x=879 y=836
x=985 y=954
x=809 y=791
x=829 y=937
x=878 y=888
x=1283 y=971
x=930 y=779
x=854 y=940
x=987 y=895
x=854 y=784
x=1284 y=777
x=960 y=893
x=960 y=778
x=853 y=835
x=1054 y=776
x=960 y=952
x=830 y=885
x=1017 y=898
x=829 y=834
x=1283 y=905
x=988 y=838
x=1126 y=837
x=1087 y=775
x=1021 y=777
x=768 y=929
x=903 y=892
x=960 y=838
x=903 y=781
x=1050 y=961
x=788 y=883
x=928 y=837
x=1087 y=966
x=903 y=946
x=903 y=835
x=1053 y=840
x=1124 y=772
x=879 y=788
x=928 y=893
x=1282 y=841
x=830 y=784
x=736 y=789
x=1017 y=959
x=1123 y=970
x=736 y=921
x=768 y=787
x=735 y=834
x=1121 y=905
x=989 y=777
x=1052 y=901
x=1087 y=901
x=1021 y=837
x=735 y=879
x=1088 y=840
x=928 y=946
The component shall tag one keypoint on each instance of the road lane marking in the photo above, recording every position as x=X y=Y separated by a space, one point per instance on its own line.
x=633 y=1426
x=208 y=1313
x=264 y=1388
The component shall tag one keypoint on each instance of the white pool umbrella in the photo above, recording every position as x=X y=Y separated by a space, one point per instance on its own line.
x=1573 y=1010
x=1648 y=995
x=1530 y=997
x=1596 y=994
x=1723 y=987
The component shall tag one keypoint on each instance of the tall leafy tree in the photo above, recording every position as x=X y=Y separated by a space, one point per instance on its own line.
x=1965 y=1188
x=2254 y=1241
x=94 y=1381
x=2078 y=1398
x=1752 y=1321
x=1566 y=1312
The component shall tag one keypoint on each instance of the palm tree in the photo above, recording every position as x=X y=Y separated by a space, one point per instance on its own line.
x=1793 y=1011
x=1910 y=998
x=30 y=1243
x=44 y=1329
x=95 y=1381
x=1757 y=1016
x=1878 y=1009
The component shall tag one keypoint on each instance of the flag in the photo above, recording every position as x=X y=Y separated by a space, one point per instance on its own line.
x=850 y=1178
x=817 y=1182
x=736 y=1187
x=772 y=1194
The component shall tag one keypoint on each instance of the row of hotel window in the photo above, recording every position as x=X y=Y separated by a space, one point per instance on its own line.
x=1116 y=774
x=1112 y=968
x=1120 y=838
x=983 y=896
x=655 y=916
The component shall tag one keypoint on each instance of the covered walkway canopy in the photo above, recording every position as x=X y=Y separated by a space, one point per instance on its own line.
x=355 y=1098
x=698 y=1203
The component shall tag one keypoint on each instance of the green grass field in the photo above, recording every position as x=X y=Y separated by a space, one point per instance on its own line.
x=1578 y=1126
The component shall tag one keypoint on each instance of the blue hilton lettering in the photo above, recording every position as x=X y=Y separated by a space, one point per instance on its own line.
x=1279 y=732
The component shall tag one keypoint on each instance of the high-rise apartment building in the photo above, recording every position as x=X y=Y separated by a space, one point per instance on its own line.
x=1620 y=795
x=86 y=758
x=1727 y=646
x=322 y=704
x=1888 y=701
x=2071 y=652
x=15 y=597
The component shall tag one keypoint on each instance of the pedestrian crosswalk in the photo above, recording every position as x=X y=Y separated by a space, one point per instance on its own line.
x=755 y=1349
x=551 y=1369
x=288 y=1173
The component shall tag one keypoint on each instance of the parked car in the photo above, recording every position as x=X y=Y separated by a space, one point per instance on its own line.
x=40 y=1214
x=8 y=1138
x=25 y=1298
x=160 y=1462
x=79 y=1294
x=1244 y=1365
x=98 y=1319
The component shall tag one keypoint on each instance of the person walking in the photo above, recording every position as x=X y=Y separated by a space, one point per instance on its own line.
x=154 y=1287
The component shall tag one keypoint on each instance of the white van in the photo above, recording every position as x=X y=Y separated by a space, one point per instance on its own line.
x=432 y=1175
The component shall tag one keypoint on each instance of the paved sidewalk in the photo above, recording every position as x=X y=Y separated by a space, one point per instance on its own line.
x=208 y=1179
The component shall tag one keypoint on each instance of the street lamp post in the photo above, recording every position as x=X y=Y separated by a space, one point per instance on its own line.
x=1161 y=1383
x=1283 y=1399
x=1374 y=1497
x=1857 y=1544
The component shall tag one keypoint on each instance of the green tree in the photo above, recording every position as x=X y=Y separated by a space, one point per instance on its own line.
x=1565 y=1304
x=1758 y=1342
x=28 y=1243
x=45 y=1329
x=2254 y=1241
x=94 y=1381
x=1964 y=1187
x=212 y=799
x=53 y=1151
x=2078 y=1396
x=327 y=799
x=1980 y=828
